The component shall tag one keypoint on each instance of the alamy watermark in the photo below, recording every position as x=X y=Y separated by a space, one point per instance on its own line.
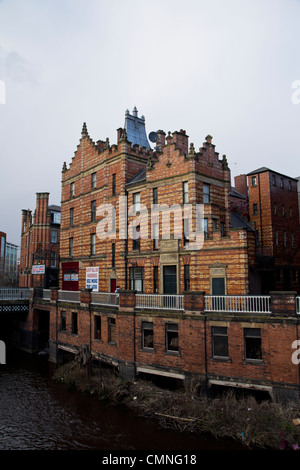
x=2 y=92
x=187 y=221
x=2 y=352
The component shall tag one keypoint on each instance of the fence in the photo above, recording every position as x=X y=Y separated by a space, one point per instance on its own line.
x=238 y=303
x=105 y=298
x=14 y=294
x=159 y=301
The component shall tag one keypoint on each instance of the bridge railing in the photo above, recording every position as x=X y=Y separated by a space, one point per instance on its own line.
x=21 y=293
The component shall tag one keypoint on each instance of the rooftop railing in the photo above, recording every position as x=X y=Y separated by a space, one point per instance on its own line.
x=238 y=303
x=105 y=298
x=298 y=305
x=68 y=296
x=159 y=301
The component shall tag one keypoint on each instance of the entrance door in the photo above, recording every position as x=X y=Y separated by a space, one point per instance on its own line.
x=113 y=285
x=170 y=285
x=218 y=289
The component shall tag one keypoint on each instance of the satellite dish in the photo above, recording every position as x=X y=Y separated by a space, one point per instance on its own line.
x=153 y=136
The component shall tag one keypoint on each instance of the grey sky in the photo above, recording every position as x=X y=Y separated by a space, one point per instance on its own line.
x=224 y=68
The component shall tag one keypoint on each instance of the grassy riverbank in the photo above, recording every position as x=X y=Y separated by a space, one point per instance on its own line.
x=265 y=425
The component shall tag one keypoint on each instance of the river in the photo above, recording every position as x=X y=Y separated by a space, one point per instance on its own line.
x=37 y=413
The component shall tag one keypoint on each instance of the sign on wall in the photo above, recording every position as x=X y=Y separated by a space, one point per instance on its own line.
x=92 y=278
x=38 y=269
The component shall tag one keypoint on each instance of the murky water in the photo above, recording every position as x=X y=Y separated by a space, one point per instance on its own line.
x=36 y=413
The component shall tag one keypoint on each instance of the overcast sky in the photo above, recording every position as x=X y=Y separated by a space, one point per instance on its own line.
x=225 y=68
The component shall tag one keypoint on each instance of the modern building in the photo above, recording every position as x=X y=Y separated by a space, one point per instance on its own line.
x=8 y=262
x=40 y=237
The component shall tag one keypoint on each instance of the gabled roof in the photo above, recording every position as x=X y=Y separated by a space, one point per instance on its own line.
x=139 y=177
x=264 y=169
x=238 y=222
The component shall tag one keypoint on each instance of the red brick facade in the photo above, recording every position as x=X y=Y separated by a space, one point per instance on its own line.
x=102 y=174
x=40 y=240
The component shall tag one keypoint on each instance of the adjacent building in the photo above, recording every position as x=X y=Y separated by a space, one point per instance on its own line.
x=40 y=239
x=8 y=262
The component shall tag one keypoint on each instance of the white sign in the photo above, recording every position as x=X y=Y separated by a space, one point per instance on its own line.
x=38 y=269
x=92 y=278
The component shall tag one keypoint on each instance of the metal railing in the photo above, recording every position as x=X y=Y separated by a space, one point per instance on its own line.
x=298 y=305
x=68 y=296
x=238 y=303
x=159 y=301
x=46 y=294
x=14 y=293
x=105 y=298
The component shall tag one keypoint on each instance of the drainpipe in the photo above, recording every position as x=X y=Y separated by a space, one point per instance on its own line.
x=261 y=227
x=205 y=352
x=126 y=243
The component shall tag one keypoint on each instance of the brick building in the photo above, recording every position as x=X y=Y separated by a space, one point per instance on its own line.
x=152 y=242
x=272 y=209
x=40 y=239
x=112 y=234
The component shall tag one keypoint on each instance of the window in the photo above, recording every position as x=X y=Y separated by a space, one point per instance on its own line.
x=292 y=240
x=72 y=189
x=172 y=337
x=147 y=335
x=155 y=236
x=53 y=259
x=93 y=211
x=219 y=341
x=205 y=227
x=136 y=202
x=274 y=180
x=254 y=208
x=222 y=226
x=290 y=186
x=71 y=217
x=186 y=277
x=94 y=180
x=70 y=247
x=113 y=255
x=97 y=327
x=55 y=217
x=252 y=339
x=74 y=323
x=136 y=238
x=283 y=210
x=63 y=321
x=136 y=275
x=185 y=191
x=114 y=184
x=111 y=330
x=155 y=196
x=214 y=224
x=185 y=231
x=291 y=212
x=93 y=244
x=206 y=193
x=281 y=183
x=277 y=238
x=53 y=236
x=275 y=208
x=155 y=279
x=285 y=239
x=253 y=180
